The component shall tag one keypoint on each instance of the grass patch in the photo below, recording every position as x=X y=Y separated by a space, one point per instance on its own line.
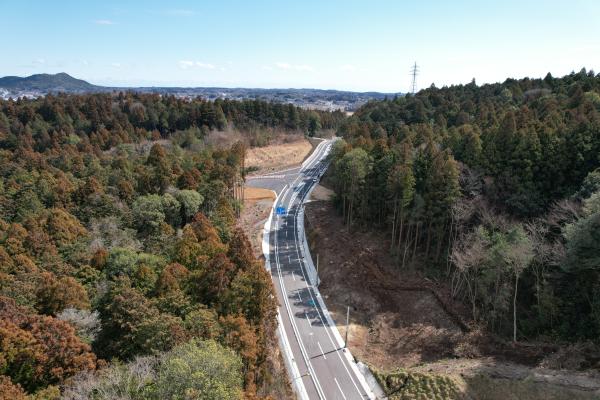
x=403 y=384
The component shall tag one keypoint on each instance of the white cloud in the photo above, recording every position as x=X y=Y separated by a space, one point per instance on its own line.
x=39 y=61
x=185 y=64
x=115 y=65
x=348 y=68
x=300 y=67
x=204 y=65
x=267 y=68
x=104 y=22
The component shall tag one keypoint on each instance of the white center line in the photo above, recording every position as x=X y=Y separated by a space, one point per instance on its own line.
x=339 y=387
x=322 y=352
x=293 y=276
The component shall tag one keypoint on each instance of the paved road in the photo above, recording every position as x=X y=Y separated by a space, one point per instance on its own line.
x=320 y=367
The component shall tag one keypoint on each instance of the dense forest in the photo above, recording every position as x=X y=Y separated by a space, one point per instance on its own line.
x=494 y=190
x=122 y=271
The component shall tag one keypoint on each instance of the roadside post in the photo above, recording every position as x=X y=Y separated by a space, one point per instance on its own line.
x=318 y=270
x=347 y=325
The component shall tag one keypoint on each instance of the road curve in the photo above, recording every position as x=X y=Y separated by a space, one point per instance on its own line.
x=319 y=365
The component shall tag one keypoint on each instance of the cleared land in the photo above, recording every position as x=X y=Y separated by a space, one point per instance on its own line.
x=277 y=156
x=411 y=330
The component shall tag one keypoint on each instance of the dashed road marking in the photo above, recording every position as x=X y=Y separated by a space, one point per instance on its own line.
x=322 y=352
x=339 y=387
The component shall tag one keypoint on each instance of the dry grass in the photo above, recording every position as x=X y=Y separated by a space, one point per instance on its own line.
x=403 y=384
x=277 y=156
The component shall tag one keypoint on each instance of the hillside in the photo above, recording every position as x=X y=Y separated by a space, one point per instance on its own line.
x=492 y=190
x=45 y=83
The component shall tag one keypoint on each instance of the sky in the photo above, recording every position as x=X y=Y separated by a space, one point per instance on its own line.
x=327 y=44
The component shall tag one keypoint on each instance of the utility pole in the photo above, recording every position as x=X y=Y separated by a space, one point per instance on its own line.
x=414 y=72
x=347 y=325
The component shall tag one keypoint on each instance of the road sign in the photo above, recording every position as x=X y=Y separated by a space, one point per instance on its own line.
x=280 y=210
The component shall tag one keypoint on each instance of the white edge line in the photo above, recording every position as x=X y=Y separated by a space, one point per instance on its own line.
x=300 y=229
x=309 y=264
x=315 y=151
x=293 y=323
x=292 y=369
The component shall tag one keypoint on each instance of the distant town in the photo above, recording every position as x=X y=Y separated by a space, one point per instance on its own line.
x=40 y=85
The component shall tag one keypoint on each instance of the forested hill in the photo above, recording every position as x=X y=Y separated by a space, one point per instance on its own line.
x=492 y=189
x=537 y=137
x=107 y=120
x=122 y=269
x=45 y=83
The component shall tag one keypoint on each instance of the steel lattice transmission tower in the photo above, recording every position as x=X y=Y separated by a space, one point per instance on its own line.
x=414 y=72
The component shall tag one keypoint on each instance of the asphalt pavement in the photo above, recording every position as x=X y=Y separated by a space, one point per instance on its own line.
x=319 y=365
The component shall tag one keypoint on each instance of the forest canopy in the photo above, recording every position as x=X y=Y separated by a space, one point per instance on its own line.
x=120 y=257
x=491 y=189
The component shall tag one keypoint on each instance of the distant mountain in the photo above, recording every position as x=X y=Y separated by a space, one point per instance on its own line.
x=41 y=84
x=61 y=82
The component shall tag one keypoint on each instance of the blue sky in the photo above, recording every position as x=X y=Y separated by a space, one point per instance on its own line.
x=353 y=45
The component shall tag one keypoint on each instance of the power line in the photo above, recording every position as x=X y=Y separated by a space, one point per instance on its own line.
x=414 y=72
